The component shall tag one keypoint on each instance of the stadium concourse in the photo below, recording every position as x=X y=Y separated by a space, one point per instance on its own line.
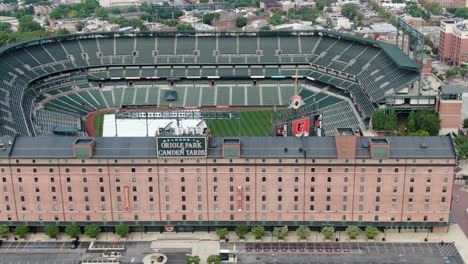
x=49 y=86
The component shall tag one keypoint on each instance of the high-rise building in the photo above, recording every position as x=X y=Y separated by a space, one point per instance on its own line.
x=453 y=47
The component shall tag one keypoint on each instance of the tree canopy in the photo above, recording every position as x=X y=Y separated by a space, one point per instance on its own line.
x=371 y=232
x=353 y=231
x=83 y=9
x=258 y=232
x=414 y=10
x=384 y=120
x=122 y=230
x=51 y=230
x=92 y=230
x=280 y=232
x=242 y=230
x=425 y=120
x=4 y=230
x=208 y=18
x=462 y=12
x=303 y=232
x=73 y=230
x=304 y=13
x=241 y=22
x=350 y=10
x=186 y=27
x=276 y=19
x=21 y=230
x=213 y=259
x=222 y=232
x=328 y=231
x=461 y=144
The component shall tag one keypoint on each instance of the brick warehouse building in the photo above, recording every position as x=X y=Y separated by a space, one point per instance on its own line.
x=392 y=182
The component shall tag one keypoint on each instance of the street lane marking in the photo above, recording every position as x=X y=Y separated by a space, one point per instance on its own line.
x=133 y=259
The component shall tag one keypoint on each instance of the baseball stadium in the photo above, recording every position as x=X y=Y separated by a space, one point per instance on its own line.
x=184 y=131
x=51 y=85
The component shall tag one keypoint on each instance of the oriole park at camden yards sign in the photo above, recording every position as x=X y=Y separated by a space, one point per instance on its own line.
x=175 y=147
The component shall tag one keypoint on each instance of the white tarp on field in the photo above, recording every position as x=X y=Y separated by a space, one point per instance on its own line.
x=138 y=127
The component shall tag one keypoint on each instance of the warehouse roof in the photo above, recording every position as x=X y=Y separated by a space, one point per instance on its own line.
x=250 y=147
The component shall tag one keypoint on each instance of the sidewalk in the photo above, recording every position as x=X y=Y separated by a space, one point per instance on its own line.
x=204 y=244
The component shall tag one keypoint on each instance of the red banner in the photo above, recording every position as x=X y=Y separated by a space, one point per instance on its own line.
x=301 y=127
x=127 y=198
x=239 y=198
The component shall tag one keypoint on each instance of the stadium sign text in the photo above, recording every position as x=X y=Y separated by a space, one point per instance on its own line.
x=168 y=147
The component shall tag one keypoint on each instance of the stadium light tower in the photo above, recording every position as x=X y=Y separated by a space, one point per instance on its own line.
x=418 y=49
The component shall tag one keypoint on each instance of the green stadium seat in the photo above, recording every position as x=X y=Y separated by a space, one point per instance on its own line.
x=165 y=46
x=124 y=46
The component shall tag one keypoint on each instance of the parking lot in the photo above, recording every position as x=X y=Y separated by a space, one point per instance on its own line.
x=344 y=252
x=32 y=246
x=26 y=252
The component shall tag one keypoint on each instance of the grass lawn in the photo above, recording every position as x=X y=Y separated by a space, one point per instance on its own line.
x=251 y=123
x=98 y=124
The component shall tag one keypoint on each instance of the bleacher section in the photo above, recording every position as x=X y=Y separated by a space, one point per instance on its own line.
x=363 y=69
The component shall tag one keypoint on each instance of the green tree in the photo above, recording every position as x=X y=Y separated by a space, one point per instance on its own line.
x=267 y=27
x=63 y=31
x=303 y=232
x=73 y=230
x=461 y=12
x=242 y=230
x=391 y=120
x=320 y=4
x=222 y=232
x=5 y=27
x=101 y=12
x=452 y=72
x=72 y=14
x=359 y=17
x=146 y=17
x=258 y=232
x=426 y=120
x=465 y=123
x=21 y=230
x=371 y=232
x=241 y=22
x=51 y=230
x=92 y=230
x=4 y=231
x=280 y=232
x=378 y=121
x=276 y=19
x=412 y=121
x=328 y=231
x=208 y=18
x=193 y=260
x=185 y=27
x=79 y=26
x=353 y=231
x=420 y=133
x=461 y=144
x=122 y=230
x=213 y=259
x=27 y=24
x=350 y=10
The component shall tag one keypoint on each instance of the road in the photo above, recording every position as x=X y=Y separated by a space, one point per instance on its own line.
x=25 y=252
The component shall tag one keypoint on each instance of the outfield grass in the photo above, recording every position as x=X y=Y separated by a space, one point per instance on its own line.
x=98 y=124
x=251 y=123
